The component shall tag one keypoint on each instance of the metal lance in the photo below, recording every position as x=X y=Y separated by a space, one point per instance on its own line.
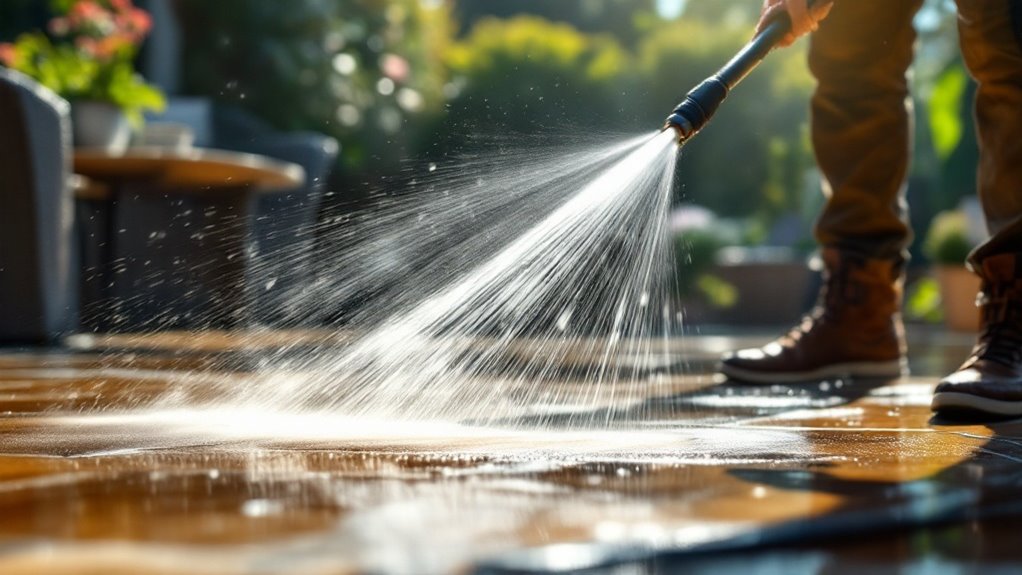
x=702 y=102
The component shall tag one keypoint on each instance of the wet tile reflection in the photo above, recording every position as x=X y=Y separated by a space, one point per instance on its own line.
x=98 y=468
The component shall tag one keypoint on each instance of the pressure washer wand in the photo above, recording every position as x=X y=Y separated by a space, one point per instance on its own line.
x=702 y=102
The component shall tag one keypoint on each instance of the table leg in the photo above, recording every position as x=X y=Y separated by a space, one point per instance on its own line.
x=94 y=261
x=224 y=272
x=178 y=259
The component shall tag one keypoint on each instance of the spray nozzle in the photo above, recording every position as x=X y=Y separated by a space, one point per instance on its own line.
x=702 y=102
x=698 y=107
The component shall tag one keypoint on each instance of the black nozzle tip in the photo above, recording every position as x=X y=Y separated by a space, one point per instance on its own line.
x=681 y=125
x=698 y=107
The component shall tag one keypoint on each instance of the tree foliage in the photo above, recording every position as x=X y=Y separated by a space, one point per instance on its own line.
x=947 y=241
x=526 y=74
x=398 y=79
x=360 y=70
x=622 y=19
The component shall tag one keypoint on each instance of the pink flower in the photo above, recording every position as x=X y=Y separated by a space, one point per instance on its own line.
x=136 y=23
x=109 y=46
x=127 y=16
x=103 y=48
x=395 y=67
x=7 y=54
x=87 y=45
x=86 y=13
x=91 y=18
x=59 y=26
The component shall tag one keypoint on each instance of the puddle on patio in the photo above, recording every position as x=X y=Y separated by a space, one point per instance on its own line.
x=86 y=482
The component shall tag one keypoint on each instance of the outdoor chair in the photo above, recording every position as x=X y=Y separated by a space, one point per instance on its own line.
x=284 y=232
x=38 y=259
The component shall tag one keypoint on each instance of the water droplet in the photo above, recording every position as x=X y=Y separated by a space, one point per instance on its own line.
x=345 y=64
x=562 y=321
x=385 y=86
x=260 y=507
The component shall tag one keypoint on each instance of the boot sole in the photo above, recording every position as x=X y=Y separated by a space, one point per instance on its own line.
x=867 y=369
x=964 y=403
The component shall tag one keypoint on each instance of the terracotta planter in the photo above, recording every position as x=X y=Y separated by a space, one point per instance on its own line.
x=100 y=125
x=958 y=289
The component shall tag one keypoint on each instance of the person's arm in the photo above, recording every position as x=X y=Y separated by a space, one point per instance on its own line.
x=803 y=18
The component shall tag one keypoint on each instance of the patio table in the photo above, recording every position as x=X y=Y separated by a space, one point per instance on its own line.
x=194 y=169
x=167 y=245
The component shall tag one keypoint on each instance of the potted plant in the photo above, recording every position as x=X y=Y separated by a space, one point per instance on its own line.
x=87 y=58
x=703 y=295
x=948 y=245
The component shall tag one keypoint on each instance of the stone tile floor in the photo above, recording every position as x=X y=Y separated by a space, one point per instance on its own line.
x=100 y=473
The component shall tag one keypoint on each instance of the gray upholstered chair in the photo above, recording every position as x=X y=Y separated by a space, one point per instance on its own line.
x=284 y=230
x=283 y=235
x=38 y=267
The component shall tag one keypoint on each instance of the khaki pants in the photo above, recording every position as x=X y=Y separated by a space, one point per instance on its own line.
x=861 y=121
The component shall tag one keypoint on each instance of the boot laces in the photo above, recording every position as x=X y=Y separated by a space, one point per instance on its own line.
x=1001 y=338
x=837 y=292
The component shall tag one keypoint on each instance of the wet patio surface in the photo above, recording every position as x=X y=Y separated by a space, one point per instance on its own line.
x=116 y=458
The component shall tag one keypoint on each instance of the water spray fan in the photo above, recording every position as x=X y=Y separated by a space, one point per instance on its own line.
x=702 y=102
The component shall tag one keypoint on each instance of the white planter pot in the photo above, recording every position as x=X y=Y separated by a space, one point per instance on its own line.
x=100 y=125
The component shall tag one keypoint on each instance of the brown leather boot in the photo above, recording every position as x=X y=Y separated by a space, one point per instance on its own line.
x=854 y=330
x=990 y=380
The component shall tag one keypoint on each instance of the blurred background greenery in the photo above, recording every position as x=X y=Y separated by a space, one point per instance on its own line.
x=395 y=80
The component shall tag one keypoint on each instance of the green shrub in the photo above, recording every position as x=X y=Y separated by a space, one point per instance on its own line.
x=621 y=18
x=947 y=241
x=362 y=71
x=525 y=73
x=696 y=252
x=752 y=158
x=87 y=54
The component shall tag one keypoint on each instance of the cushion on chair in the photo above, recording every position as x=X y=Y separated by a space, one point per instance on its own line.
x=38 y=286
